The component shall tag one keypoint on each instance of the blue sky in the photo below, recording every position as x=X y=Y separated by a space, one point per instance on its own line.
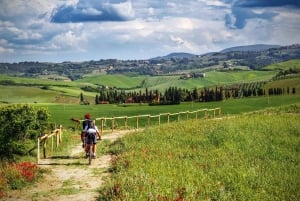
x=82 y=30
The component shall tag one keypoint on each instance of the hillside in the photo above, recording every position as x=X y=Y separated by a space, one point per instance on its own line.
x=174 y=63
x=259 y=47
x=175 y=55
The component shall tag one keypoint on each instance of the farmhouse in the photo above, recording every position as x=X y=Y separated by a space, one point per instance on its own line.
x=192 y=75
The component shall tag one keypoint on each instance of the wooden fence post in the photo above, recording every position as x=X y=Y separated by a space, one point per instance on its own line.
x=159 y=119
x=148 y=120
x=168 y=117
x=60 y=133
x=45 y=147
x=125 y=122
x=112 y=124
x=102 y=125
x=57 y=140
x=52 y=144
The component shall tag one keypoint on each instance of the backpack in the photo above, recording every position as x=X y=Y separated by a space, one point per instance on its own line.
x=90 y=124
x=85 y=123
x=91 y=130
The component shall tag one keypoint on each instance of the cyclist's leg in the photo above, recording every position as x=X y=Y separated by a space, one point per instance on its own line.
x=83 y=138
x=94 y=145
x=88 y=143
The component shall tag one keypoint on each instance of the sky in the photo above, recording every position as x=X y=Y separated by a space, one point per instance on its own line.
x=84 y=30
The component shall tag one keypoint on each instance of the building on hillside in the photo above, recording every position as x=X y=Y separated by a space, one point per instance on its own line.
x=129 y=100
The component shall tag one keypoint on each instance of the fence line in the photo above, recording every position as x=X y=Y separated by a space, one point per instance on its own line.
x=57 y=133
x=208 y=113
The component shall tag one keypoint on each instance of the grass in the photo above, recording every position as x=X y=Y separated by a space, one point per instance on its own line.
x=69 y=92
x=17 y=94
x=62 y=113
x=36 y=81
x=119 y=81
x=294 y=63
x=249 y=157
x=140 y=82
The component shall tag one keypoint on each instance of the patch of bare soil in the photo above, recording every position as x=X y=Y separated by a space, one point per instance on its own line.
x=69 y=177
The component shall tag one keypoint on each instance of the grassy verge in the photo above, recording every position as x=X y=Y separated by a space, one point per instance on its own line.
x=248 y=157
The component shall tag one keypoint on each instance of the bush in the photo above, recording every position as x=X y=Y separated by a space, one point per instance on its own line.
x=20 y=123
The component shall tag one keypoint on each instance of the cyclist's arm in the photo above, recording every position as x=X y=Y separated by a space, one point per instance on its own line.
x=98 y=133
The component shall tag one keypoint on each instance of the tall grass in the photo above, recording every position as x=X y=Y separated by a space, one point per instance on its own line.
x=250 y=157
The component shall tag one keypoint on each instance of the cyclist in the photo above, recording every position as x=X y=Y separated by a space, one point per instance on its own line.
x=91 y=135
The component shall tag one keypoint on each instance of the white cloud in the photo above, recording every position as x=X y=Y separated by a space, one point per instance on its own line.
x=155 y=28
x=69 y=41
x=124 y=9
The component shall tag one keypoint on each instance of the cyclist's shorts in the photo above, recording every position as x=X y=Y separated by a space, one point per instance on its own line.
x=90 y=138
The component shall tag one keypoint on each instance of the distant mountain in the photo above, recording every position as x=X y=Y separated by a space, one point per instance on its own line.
x=258 y=47
x=246 y=48
x=175 y=55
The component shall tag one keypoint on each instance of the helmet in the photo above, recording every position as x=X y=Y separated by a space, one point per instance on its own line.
x=87 y=116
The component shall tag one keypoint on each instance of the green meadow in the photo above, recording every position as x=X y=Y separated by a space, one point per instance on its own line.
x=245 y=157
x=140 y=82
x=62 y=113
x=163 y=82
x=294 y=63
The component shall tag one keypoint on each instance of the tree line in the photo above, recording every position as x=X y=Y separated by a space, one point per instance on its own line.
x=176 y=95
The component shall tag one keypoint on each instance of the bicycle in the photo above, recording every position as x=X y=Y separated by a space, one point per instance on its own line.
x=91 y=154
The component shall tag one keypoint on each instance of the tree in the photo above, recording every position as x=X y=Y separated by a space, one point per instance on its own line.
x=81 y=97
x=195 y=94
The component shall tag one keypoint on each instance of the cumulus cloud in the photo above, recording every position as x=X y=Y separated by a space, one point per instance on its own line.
x=59 y=30
x=91 y=10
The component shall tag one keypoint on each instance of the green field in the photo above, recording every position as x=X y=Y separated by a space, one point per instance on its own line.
x=247 y=157
x=62 y=113
x=28 y=90
x=162 y=82
x=295 y=63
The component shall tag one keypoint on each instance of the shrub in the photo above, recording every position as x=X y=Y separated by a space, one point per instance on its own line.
x=18 y=124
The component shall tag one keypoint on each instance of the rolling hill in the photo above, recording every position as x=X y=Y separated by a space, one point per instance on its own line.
x=247 y=48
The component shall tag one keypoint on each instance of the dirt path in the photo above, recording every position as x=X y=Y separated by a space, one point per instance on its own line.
x=69 y=178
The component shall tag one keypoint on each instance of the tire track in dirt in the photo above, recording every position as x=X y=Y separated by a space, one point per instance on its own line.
x=69 y=178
